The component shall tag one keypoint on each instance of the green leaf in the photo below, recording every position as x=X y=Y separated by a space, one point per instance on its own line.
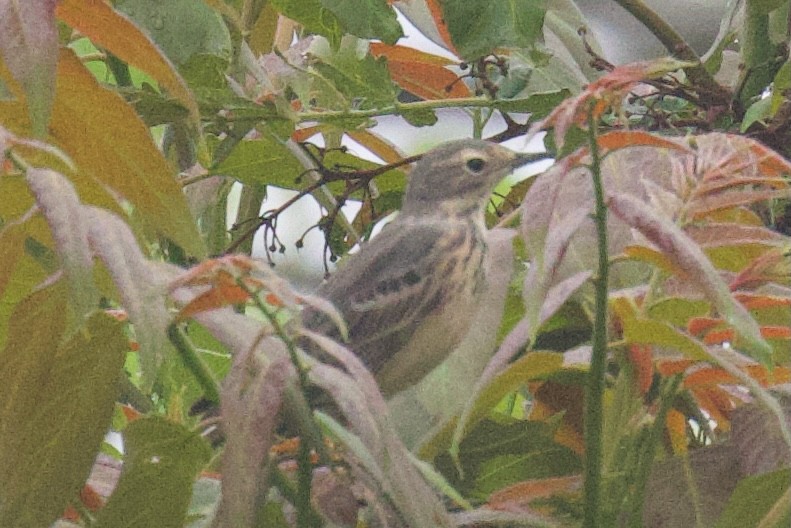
x=161 y=463
x=754 y=497
x=181 y=28
x=678 y=311
x=538 y=104
x=369 y=19
x=264 y=161
x=155 y=108
x=313 y=16
x=363 y=80
x=496 y=455
x=641 y=331
x=419 y=118
x=757 y=112
x=57 y=403
x=478 y=27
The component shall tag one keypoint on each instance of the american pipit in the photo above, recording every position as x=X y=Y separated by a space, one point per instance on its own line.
x=408 y=296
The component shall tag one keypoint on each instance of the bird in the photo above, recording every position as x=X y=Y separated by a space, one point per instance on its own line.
x=408 y=296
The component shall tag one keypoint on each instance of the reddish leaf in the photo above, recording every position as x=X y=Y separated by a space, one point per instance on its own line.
x=421 y=73
x=721 y=234
x=753 y=301
x=687 y=255
x=670 y=367
x=641 y=359
x=619 y=139
x=302 y=134
x=699 y=325
x=435 y=9
x=600 y=94
x=772 y=266
x=522 y=493
x=705 y=205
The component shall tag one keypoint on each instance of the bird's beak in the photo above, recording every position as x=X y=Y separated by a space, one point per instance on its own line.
x=523 y=158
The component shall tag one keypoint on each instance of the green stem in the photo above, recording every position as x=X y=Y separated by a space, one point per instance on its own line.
x=756 y=51
x=505 y=105
x=594 y=391
x=194 y=363
x=646 y=459
x=713 y=92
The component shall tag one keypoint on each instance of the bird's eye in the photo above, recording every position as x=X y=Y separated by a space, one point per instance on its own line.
x=475 y=164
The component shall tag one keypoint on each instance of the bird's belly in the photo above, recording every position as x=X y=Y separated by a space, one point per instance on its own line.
x=436 y=336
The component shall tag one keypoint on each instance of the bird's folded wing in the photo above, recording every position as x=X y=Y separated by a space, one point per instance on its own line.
x=386 y=289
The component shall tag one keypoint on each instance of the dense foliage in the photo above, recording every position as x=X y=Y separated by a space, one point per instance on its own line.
x=627 y=364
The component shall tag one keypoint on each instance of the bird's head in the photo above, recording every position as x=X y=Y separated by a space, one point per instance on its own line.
x=457 y=178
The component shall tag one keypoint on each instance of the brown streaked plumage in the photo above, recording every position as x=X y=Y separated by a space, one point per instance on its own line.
x=409 y=295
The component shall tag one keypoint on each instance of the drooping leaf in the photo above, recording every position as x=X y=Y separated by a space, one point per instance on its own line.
x=60 y=205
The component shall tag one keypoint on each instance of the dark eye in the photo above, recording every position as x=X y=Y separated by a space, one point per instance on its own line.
x=475 y=164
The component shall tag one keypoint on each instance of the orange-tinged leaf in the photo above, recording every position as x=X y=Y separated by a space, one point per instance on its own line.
x=718 y=337
x=111 y=30
x=641 y=359
x=435 y=9
x=669 y=367
x=273 y=300
x=421 y=73
x=427 y=81
x=601 y=94
x=217 y=297
x=727 y=335
x=109 y=144
x=711 y=376
x=130 y=413
x=91 y=498
x=716 y=402
x=407 y=54
x=699 y=325
x=618 y=139
x=302 y=134
x=677 y=431
x=776 y=332
x=753 y=301
x=382 y=148
x=527 y=491
x=653 y=257
x=770 y=162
